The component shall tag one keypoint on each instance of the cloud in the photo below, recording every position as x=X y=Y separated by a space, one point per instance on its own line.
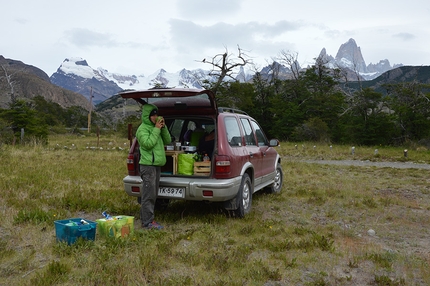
x=260 y=41
x=21 y=21
x=404 y=36
x=204 y=9
x=86 y=38
x=187 y=34
x=337 y=34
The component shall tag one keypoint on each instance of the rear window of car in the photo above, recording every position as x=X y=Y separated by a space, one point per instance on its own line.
x=182 y=128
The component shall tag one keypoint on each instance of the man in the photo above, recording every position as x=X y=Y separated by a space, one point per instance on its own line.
x=152 y=135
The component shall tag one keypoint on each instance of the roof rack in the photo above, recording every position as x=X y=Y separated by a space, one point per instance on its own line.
x=231 y=110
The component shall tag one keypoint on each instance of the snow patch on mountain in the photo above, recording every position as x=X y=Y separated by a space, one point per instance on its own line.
x=79 y=67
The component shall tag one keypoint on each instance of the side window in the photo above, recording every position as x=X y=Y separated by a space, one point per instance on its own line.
x=262 y=140
x=191 y=125
x=176 y=128
x=249 y=134
x=233 y=131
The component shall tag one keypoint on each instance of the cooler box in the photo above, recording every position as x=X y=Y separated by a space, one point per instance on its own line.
x=66 y=231
x=119 y=226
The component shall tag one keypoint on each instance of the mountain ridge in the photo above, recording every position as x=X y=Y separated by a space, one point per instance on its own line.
x=75 y=74
x=22 y=81
x=98 y=85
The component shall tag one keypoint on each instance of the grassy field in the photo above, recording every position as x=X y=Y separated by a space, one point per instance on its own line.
x=330 y=225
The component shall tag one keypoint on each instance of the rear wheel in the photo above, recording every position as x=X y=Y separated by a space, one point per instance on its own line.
x=160 y=204
x=244 y=197
x=276 y=186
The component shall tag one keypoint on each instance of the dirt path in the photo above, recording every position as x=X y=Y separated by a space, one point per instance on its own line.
x=400 y=165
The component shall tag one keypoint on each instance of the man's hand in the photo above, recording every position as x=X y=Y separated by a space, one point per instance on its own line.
x=160 y=122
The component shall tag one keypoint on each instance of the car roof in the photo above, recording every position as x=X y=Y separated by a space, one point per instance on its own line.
x=173 y=101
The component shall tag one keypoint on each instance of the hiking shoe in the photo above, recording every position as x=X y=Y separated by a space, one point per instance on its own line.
x=153 y=225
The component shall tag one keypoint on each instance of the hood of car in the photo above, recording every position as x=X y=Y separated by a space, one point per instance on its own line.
x=174 y=101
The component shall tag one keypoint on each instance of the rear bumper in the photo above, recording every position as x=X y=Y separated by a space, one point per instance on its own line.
x=222 y=189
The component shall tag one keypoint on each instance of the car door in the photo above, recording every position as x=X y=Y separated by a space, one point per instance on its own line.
x=252 y=149
x=268 y=154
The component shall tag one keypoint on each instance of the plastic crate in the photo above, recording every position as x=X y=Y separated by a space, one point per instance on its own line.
x=119 y=226
x=64 y=231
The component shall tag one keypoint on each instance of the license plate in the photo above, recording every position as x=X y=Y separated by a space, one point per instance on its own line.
x=171 y=192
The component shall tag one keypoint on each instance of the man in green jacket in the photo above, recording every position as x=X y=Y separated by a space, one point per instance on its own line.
x=152 y=135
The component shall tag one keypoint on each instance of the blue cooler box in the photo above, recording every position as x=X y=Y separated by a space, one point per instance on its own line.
x=65 y=231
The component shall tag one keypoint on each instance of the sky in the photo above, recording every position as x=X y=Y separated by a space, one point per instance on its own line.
x=140 y=37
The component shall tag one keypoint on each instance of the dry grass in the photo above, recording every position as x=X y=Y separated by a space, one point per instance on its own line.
x=316 y=232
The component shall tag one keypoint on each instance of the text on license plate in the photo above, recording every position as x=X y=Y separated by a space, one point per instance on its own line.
x=171 y=192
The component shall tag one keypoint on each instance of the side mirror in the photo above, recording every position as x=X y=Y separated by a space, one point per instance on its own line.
x=274 y=142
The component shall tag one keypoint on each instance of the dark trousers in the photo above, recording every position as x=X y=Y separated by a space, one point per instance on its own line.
x=151 y=179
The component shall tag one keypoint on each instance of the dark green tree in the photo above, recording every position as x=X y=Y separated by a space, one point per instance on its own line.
x=410 y=102
x=76 y=117
x=22 y=116
x=50 y=112
x=322 y=98
x=367 y=119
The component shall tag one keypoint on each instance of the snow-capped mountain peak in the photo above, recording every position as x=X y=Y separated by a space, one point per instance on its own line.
x=349 y=57
x=79 y=66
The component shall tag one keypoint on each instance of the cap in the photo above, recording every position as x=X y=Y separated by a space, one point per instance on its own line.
x=153 y=112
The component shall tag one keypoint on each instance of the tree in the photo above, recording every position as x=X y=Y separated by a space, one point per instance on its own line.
x=76 y=117
x=410 y=102
x=22 y=116
x=313 y=129
x=321 y=97
x=10 y=82
x=50 y=112
x=367 y=120
x=223 y=65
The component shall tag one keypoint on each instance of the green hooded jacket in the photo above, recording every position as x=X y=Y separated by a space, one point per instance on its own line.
x=151 y=139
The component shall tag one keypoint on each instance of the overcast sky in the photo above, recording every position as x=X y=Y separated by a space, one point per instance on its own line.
x=140 y=37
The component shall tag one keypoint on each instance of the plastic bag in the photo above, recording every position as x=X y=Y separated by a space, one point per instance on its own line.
x=186 y=164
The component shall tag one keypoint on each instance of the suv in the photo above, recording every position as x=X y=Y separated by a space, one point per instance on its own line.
x=241 y=159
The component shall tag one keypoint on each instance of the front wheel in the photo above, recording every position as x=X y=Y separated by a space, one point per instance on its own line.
x=244 y=197
x=276 y=186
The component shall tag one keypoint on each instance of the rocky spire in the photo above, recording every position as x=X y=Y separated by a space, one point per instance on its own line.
x=349 y=55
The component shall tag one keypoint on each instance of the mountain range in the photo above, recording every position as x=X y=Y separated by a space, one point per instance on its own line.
x=349 y=57
x=76 y=83
x=75 y=74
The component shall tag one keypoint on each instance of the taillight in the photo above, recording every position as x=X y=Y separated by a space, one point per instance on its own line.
x=130 y=165
x=222 y=164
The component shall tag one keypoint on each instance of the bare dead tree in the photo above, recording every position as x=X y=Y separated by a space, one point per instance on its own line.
x=289 y=59
x=224 y=65
x=10 y=82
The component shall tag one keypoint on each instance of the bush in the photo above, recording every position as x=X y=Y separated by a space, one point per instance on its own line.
x=312 y=130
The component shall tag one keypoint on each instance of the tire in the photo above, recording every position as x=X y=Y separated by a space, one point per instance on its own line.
x=160 y=204
x=244 y=197
x=276 y=187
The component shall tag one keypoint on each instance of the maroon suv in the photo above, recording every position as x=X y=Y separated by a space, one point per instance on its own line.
x=239 y=161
